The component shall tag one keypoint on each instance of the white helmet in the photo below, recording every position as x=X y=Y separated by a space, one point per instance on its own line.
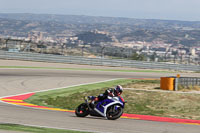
x=118 y=90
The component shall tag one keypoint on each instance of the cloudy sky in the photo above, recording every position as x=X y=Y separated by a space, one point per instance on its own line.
x=148 y=9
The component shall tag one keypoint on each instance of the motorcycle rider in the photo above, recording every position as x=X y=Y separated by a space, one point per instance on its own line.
x=117 y=91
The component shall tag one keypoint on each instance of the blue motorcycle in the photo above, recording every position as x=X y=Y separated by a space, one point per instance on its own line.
x=110 y=108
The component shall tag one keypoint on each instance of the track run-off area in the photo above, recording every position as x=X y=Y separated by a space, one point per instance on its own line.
x=16 y=81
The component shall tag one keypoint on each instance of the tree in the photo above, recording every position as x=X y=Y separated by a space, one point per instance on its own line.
x=137 y=56
x=154 y=56
x=175 y=53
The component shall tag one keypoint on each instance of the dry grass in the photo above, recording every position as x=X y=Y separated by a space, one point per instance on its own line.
x=188 y=88
x=147 y=86
x=163 y=104
x=171 y=104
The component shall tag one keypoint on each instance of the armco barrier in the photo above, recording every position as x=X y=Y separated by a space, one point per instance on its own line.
x=95 y=61
x=189 y=81
x=173 y=83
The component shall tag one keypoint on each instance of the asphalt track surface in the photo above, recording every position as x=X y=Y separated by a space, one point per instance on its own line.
x=18 y=81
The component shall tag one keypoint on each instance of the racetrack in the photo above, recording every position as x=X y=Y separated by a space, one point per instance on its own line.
x=18 y=81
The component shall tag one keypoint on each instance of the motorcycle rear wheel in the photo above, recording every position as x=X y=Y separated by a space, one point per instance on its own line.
x=82 y=110
x=114 y=115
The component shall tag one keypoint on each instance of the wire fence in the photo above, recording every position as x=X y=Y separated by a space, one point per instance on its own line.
x=96 y=61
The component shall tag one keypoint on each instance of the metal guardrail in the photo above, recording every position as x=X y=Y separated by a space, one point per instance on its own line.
x=95 y=61
x=187 y=81
x=176 y=83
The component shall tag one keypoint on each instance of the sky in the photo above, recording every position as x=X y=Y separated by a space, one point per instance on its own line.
x=188 y=10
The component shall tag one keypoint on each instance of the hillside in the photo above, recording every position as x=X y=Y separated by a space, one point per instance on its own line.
x=123 y=29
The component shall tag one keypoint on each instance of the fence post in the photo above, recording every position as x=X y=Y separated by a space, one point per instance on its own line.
x=176 y=84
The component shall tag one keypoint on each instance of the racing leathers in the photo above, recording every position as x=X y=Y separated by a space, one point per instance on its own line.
x=101 y=97
x=108 y=92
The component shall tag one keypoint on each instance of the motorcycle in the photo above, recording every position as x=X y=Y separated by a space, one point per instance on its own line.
x=110 y=108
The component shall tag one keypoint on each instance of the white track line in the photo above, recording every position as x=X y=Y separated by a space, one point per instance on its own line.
x=62 y=87
x=54 y=110
x=65 y=128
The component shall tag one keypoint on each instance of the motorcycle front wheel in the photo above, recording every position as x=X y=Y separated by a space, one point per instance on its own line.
x=82 y=110
x=113 y=113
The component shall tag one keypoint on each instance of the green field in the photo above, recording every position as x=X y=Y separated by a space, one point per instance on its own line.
x=40 y=98
x=31 y=129
x=147 y=101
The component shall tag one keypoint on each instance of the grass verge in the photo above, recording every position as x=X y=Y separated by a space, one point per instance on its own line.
x=40 y=98
x=188 y=88
x=31 y=129
x=157 y=103
x=87 y=69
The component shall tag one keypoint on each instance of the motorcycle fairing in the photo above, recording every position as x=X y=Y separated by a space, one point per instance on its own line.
x=102 y=106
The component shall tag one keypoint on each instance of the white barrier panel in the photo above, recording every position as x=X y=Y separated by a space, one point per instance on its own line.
x=95 y=61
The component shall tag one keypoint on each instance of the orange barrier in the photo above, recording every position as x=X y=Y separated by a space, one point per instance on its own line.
x=167 y=83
